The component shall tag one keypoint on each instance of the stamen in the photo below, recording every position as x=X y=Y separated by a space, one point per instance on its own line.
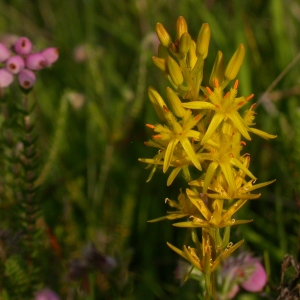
x=150 y=126
x=241 y=103
x=226 y=95
x=165 y=109
x=236 y=84
x=249 y=97
x=157 y=136
x=198 y=117
x=217 y=106
x=253 y=105
x=216 y=82
x=208 y=90
x=243 y=143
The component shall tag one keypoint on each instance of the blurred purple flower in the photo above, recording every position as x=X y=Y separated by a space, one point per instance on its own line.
x=35 y=61
x=26 y=79
x=23 y=46
x=46 y=294
x=15 y=64
x=51 y=55
x=4 y=53
x=6 y=78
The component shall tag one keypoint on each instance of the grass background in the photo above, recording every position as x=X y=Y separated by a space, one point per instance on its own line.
x=91 y=111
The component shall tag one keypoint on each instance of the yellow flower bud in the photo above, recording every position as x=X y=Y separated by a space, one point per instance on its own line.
x=175 y=103
x=185 y=42
x=160 y=63
x=235 y=63
x=203 y=41
x=175 y=71
x=157 y=102
x=181 y=27
x=217 y=72
x=163 y=35
x=192 y=57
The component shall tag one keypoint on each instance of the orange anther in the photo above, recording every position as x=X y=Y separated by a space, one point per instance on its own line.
x=253 y=105
x=217 y=106
x=165 y=109
x=249 y=97
x=198 y=117
x=157 y=136
x=241 y=103
x=150 y=126
x=146 y=143
x=208 y=90
x=236 y=84
x=226 y=95
x=243 y=143
x=216 y=82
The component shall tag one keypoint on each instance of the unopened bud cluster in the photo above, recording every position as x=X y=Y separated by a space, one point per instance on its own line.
x=21 y=62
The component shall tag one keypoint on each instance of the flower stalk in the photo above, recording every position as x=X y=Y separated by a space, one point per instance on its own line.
x=203 y=127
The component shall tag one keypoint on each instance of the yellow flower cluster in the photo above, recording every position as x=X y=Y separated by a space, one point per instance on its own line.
x=203 y=127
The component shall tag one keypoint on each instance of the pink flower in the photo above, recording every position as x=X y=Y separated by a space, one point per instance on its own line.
x=6 y=78
x=35 y=61
x=23 y=46
x=51 y=55
x=15 y=64
x=4 y=53
x=257 y=280
x=26 y=79
x=46 y=294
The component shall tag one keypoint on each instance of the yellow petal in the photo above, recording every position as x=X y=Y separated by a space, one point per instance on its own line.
x=262 y=133
x=238 y=164
x=169 y=154
x=215 y=122
x=199 y=105
x=239 y=123
x=227 y=171
x=190 y=152
x=173 y=175
x=209 y=174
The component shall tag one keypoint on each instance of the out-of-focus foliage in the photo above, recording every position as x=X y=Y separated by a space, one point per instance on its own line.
x=90 y=120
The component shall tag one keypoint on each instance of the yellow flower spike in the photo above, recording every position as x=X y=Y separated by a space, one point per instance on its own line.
x=175 y=71
x=235 y=63
x=209 y=174
x=160 y=63
x=217 y=72
x=175 y=103
x=191 y=56
x=163 y=35
x=181 y=27
x=157 y=102
x=203 y=41
x=185 y=43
